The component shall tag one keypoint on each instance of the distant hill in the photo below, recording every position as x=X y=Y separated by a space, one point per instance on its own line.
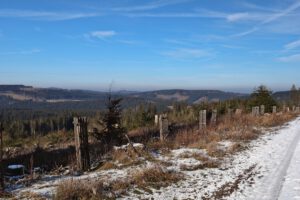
x=189 y=96
x=282 y=95
x=20 y=96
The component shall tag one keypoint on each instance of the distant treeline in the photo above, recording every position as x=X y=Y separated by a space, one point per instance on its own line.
x=44 y=118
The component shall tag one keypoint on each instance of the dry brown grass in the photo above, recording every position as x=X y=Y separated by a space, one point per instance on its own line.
x=31 y=196
x=164 y=146
x=236 y=147
x=241 y=128
x=185 y=137
x=108 y=165
x=142 y=131
x=130 y=156
x=155 y=177
x=82 y=190
x=206 y=162
x=276 y=119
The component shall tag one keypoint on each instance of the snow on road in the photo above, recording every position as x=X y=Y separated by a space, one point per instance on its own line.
x=269 y=169
x=278 y=166
x=291 y=184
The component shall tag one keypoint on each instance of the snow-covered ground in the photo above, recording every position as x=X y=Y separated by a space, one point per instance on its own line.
x=268 y=169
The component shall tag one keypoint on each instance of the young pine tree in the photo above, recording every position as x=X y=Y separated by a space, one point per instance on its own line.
x=113 y=132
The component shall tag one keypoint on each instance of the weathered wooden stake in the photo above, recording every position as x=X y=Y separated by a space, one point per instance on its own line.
x=284 y=108
x=274 y=109
x=156 y=120
x=202 y=119
x=163 y=126
x=2 y=186
x=255 y=111
x=81 y=143
x=294 y=108
x=287 y=109
x=262 y=109
x=213 y=120
x=297 y=109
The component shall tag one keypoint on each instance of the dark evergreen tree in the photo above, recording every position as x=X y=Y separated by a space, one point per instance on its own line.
x=112 y=132
x=294 y=95
x=262 y=96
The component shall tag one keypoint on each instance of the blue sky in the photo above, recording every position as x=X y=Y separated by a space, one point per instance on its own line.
x=145 y=45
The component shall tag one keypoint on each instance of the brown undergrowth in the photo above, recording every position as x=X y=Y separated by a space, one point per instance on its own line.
x=145 y=179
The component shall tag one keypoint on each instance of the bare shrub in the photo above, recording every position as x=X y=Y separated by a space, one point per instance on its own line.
x=236 y=147
x=155 y=177
x=129 y=156
x=73 y=190
x=83 y=190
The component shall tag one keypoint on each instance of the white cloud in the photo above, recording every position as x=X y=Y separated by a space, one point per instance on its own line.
x=237 y=16
x=271 y=18
x=150 y=6
x=246 y=32
x=187 y=53
x=282 y=13
x=292 y=45
x=22 y=52
x=291 y=58
x=246 y=16
x=102 y=34
x=44 y=15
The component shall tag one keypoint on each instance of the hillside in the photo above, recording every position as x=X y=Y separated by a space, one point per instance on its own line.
x=282 y=95
x=190 y=96
x=27 y=97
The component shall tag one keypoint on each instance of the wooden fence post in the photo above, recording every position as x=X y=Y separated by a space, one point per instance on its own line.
x=163 y=126
x=202 y=119
x=81 y=143
x=274 y=109
x=262 y=109
x=284 y=108
x=213 y=120
x=297 y=109
x=156 y=120
x=255 y=111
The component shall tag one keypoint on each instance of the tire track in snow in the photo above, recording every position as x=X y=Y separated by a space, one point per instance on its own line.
x=277 y=177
